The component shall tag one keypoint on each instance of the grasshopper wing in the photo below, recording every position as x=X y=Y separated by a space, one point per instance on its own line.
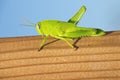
x=77 y=17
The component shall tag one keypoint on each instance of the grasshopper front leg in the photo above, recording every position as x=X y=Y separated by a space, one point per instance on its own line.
x=43 y=42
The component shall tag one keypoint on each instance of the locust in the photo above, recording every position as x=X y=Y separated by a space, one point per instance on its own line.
x=66 y=30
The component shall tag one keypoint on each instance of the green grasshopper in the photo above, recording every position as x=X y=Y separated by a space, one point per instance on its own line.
x=66 y=30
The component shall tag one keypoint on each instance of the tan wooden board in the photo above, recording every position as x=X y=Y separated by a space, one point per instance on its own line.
x=97 y=58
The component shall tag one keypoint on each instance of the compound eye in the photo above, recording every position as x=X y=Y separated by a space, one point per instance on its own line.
x=38 y=26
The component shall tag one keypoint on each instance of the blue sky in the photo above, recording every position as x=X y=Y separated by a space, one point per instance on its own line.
x=104 y=14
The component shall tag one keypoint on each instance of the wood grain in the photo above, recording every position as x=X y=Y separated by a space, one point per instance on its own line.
x=97 y=58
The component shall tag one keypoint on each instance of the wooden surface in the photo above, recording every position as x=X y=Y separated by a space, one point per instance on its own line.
x=97 y=58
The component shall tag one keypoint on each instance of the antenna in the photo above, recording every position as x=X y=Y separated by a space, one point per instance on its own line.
x=26 y=25
x=29 y=22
